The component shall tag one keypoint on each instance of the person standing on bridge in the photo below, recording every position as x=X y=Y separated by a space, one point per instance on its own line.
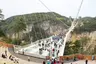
x=28 y=58
x=6 y=53
x=44 y=62
x=48 y=62
x=86 y=61
x=93 y=57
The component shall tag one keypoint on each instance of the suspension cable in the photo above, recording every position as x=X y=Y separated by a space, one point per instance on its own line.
x=74 y=25
x=52 y=13
x=79 y=8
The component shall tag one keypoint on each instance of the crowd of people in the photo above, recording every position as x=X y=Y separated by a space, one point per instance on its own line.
x=53 y=61
x=11 y=57
x=58 y=62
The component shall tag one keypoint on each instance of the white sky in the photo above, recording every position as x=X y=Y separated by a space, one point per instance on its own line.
x=63 y=7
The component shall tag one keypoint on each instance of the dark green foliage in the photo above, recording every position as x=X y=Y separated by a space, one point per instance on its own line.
x=37 y=17
x=24 y=43
x=7 y=40
x=68 y=50
x=94 y=50
x=89 y=25
x=76 y=47
x=2 y=33
x=72 y=48
x=16 y=42
x=38 y=33
x=17 y=26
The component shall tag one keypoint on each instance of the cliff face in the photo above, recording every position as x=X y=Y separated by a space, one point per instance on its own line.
x=47 y=28
x=52 y=27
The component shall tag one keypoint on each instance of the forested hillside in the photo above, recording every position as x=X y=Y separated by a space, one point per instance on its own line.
x=43 y=25
x=19 y=23
x=35 y=26
x=86 y=24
